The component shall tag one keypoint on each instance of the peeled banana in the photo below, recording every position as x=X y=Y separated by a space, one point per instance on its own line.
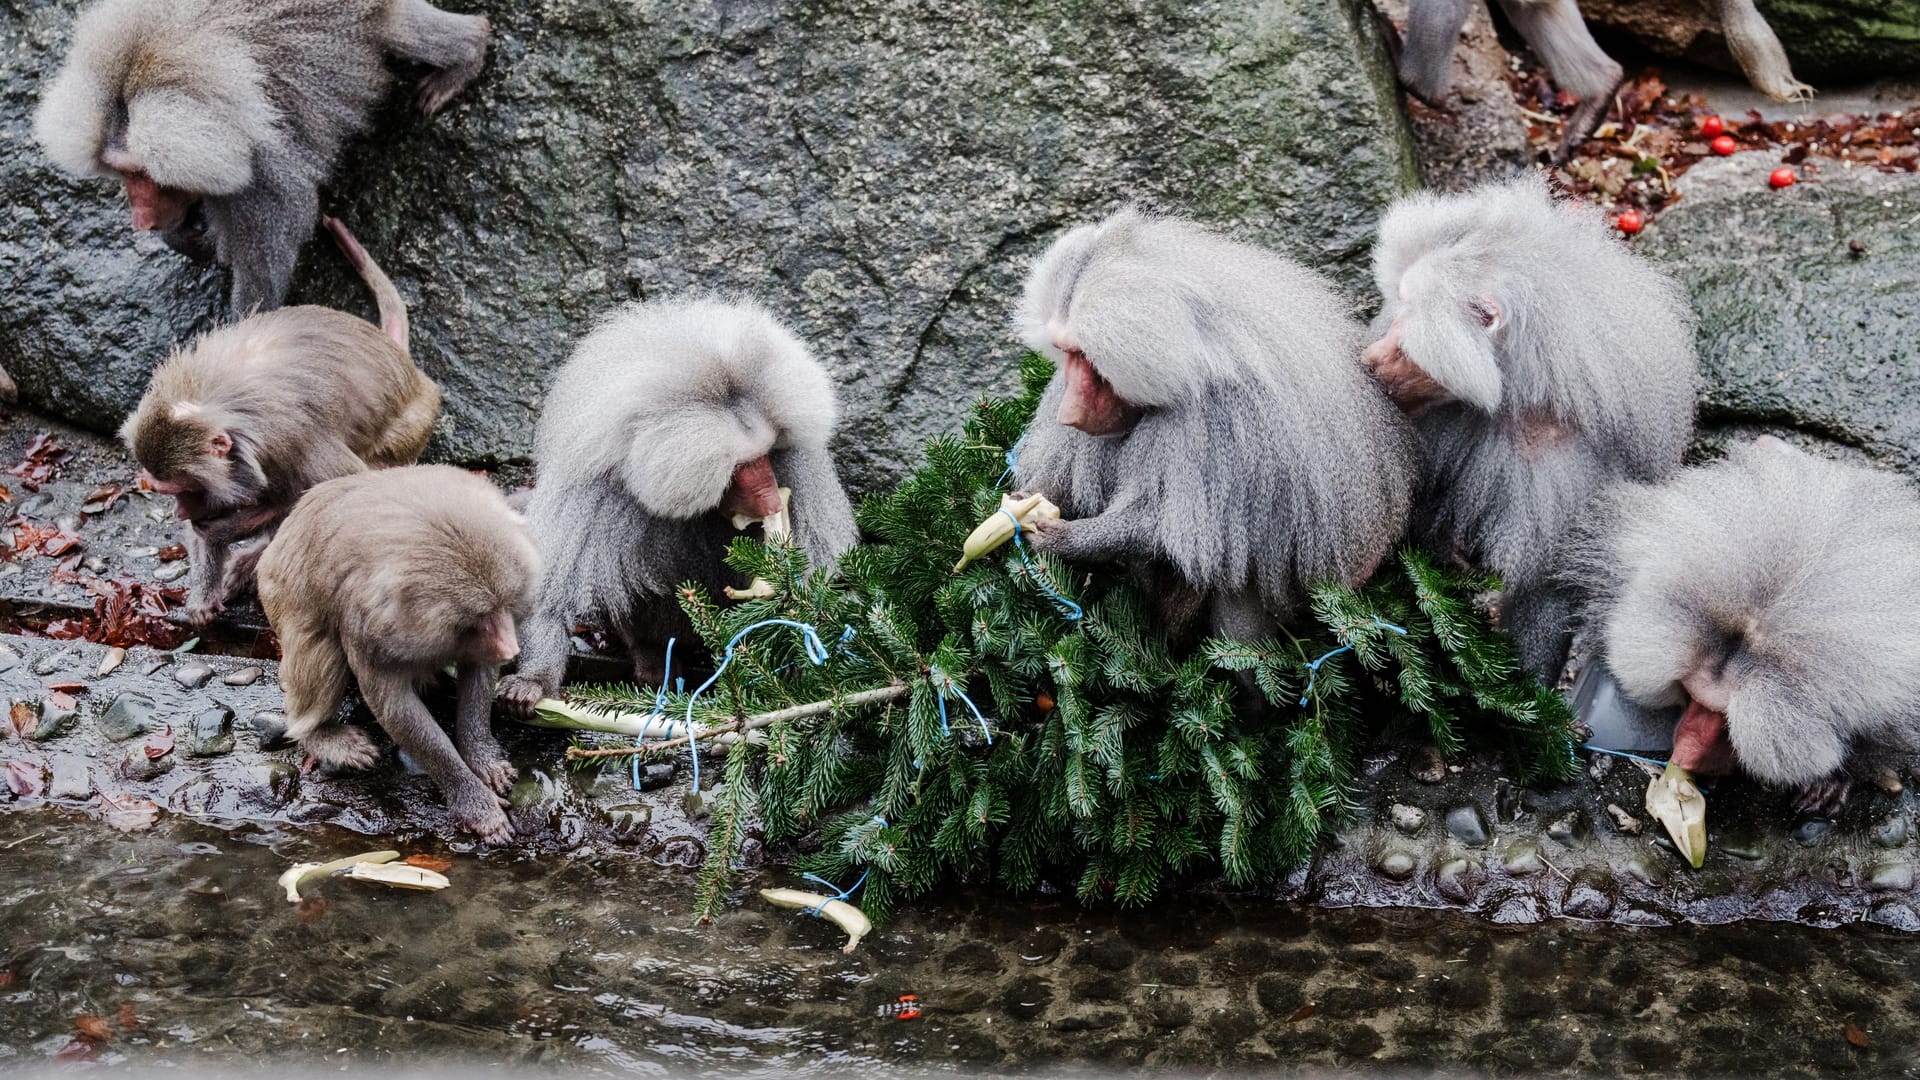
x=990 y=534
x=1676 y=801
x=775 y=527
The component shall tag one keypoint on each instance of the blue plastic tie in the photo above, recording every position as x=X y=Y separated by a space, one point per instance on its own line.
x=838 y=892
x=1068 y=607
x=1624 y=754
x=1313 y=669
x=660 y=707
x=1013 y=459
x=816 y=652
x=945 y=682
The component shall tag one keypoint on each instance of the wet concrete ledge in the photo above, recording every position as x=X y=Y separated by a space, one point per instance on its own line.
x=203 y=737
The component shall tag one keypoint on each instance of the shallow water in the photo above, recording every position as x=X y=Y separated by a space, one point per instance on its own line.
x=179 y=940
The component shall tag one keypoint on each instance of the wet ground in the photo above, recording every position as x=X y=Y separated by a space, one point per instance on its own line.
x=175 y=947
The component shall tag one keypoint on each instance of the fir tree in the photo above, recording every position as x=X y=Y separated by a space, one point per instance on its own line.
x=1022 y=719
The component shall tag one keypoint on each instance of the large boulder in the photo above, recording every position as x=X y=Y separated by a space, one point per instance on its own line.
x=879 y=171
x=1840 y=40
x=1798 y=328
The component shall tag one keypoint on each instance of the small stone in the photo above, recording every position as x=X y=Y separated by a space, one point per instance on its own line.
x=1646 y=871
x=1396 y=864
x=1891 y=875
x=8 y=658
x=136 y=765
x=155 y=665
x=95 y=564
x=245 y=676
x=1600 y=766
x=271 y=727
x=1741 y=843
x=170 y=572
x=1280 y=995
x=72 y=778
x=110 y=662
x=655 y=775
x=129 y=715
x=193 y=675
x=211 y=732
x=53 y=662
x=1522 y=860
x=1457 y=880
x=1469 y=825
x=1890 y=833
x=1588 y=896
x=629 y=817
x=54 y=721
x=1887 y=780
x=1027 y=998
x=1426 y=765
x=1897 y=914
x=68 y=523
x=1042 y=947
x=1811 y=831
x=277 y=779
x=1408 y=819
x=1569 y=828
x=1622 y=820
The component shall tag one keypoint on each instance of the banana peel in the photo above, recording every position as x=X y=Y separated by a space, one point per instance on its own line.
x=839 y=912
x=306 y=872
x=989 y=535
x=776 y=527
x=1675 y=800
x=398 y=875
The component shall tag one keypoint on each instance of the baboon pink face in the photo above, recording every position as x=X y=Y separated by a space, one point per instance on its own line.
x=155 y=208
x=1090 y=403
x=754 y=490
x=1404 y=381
x=493 y=641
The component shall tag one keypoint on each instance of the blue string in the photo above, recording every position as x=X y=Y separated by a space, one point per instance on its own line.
x=660 y=707
x=945 y=682
x=1313 y=669
x=816 y=652
x=1013 y=458
x=1624 y=754
x=1068 y=607
x=838 y=892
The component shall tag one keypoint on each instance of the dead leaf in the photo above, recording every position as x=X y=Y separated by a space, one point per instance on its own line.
x=430 y=862
x=60 y=699
x=103 y=498
x=67 y=688
x=128 y=813
x=1856 y=1036
x=77 y=1050
x=1303 y=1012
x=92 y=1027
x=25 y=779
x=126 y=1017
x=60 y=544
x=159 y=744
x=24 y=719
x=172 y=553
x=44 y=454
x=6 y=979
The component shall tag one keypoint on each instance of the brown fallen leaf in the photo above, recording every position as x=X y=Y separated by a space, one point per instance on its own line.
x=128 y=813
x=23 y=719
x=60 y=699
x=159 y=744
x=60 y=545
x=92 y=1027
x=430 y=862
x=77 y=1050
x=1856 y=1036
x=126 y=1017
x=67 y=687
x=25 y=779
x=6 y=979
x=1303 y=1012
x=173 y=553
x=103 y=498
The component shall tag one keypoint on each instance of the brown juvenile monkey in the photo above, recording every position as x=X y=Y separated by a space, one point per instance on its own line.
x=1540 y=360
x=239 y=425
x=1210 y=426
x=390 y=577
x=222 y=117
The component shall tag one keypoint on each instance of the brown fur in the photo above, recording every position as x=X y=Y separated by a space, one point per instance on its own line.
x=304 y=394
x=389 y=577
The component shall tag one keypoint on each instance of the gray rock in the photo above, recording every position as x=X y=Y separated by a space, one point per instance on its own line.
x=136 y=765
x=55 y=661
x=245 y=676
x=110 y=662
x=1396 y=864
x=1408 y=819
x=1646 y=871
x=1570 y=828
x=72 y=777
x=1840 y=40
x=271 y=727
x=55 y=721
x=211 y=733
x=1811 y=831
x=1469 y=826
x=129 y=715
x=1457 y=880
x=1522 y=859
x=1793 y=330
x=1891 y=875
x=167 y=573
x=8 y=660
x=193 y=675
x=1896 y=914
x=154 y=665
x=879 y=173
x=1890 y=833
x=1623 y=821
x=276 y=780
x=1588 y=896
x=1425 y=764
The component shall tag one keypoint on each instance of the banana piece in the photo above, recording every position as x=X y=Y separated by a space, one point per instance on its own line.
x=776 y=527
x=839 y=912
x=1676 y=801
x=990 y=534
x=399 y=875
x=303 y=873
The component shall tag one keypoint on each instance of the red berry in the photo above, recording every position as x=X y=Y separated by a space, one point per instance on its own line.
x=1782 y=177
x=1711 y=126
x=1630 y=222
x=1723 y=145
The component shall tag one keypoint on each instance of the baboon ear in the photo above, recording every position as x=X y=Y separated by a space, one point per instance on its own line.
x=219 y=444
x=1487 y=310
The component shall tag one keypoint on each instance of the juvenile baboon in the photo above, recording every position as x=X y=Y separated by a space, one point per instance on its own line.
x=1770 y=600
x=1540 y=360
x=240 y=424
x=222 y=117
x=1210 y=425
x=390 y=577
x=671 y=417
